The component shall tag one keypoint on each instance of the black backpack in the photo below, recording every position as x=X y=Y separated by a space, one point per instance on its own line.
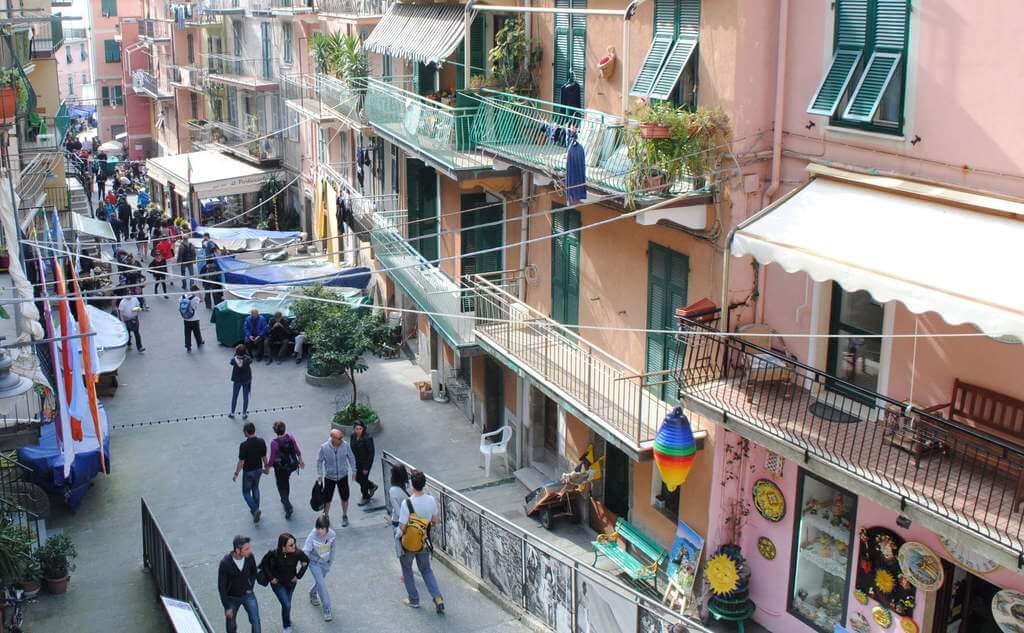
x=287 y=458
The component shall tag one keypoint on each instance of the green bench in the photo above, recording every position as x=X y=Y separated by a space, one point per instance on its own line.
x=608 y=545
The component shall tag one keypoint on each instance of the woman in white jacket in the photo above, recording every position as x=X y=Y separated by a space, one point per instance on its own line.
x=320 y=547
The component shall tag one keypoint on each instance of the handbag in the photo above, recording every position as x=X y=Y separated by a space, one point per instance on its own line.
x=316 y=497
x=262 y=571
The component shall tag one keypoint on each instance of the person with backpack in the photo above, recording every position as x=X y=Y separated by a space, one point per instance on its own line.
x=285 y=458
x=320 y=547
x=281 y=568
x=188 y=307
x=186 y=261
x=417 y=514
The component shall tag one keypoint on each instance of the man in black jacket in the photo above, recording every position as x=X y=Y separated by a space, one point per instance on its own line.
x=362 y=450
x=236 y=579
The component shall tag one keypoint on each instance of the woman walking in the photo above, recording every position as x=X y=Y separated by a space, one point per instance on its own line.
x=320 y=547
x=241 y=380
x=363 y=450
x=285 y=458
x=397 y=493
x=284 y=566
x=158 y=268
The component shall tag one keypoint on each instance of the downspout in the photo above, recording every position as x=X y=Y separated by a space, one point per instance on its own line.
x=627 y=19
x=524 y=232
x=780 y=85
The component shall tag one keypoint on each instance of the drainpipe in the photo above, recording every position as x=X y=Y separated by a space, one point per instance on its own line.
x=627 y=20
x=780 y=84
x=524 y=233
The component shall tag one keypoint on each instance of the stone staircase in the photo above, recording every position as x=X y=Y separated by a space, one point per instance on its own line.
x=79 y=201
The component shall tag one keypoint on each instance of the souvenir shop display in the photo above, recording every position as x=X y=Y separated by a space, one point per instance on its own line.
x=921 y=566
x=878 y=570
x=769 y=500
x=1008 y=610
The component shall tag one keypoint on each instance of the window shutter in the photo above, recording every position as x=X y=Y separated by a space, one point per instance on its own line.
x=286 y=37
x=678 y=20
x=477 y=54
x=106 y=96
x=428 y=206
x=108 y=8
x=851 y=38
x=891 y=25
x=571 y=247
x=676 y=61
x=851 y=24
x=668 y=273
x=111 y=51
x=265 y=37
x=873 y=82
x=579 y=51
x=561 y=50
x=653 y=61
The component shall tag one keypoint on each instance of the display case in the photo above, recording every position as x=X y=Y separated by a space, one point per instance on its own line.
x=823 y=545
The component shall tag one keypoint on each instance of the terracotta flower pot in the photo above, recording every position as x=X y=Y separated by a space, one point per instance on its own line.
x=655 y=130
x=8 y=103
x=57 y=586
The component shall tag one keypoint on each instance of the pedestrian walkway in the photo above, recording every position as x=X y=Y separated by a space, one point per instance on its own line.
x=184 y=470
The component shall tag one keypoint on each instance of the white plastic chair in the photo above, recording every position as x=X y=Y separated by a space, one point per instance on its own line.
x=498 y=447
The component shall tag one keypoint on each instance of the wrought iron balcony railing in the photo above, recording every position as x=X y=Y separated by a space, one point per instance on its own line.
x=536 y=134
x=49 y=37
x=324 y=97
x=440 y=133
x=251 y=145
x=244 y=72
x=358 y=8
x=155 y=31
x=144 y=83
x=966 y=476
x=285 y=7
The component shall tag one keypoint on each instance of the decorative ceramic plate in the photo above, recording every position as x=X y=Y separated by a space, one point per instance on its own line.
x=860 y=596
x=968 y=560
x=768 y=500
x=908 y=625
x=722 y=574
x=921 y=566
x=882 y=616
x=859 y=624
x=766 y=548
x=1008 y=609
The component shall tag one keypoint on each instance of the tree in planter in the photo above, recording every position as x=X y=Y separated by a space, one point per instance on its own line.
x=514 y=56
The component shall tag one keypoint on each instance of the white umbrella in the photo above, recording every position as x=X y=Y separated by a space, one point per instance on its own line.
x=111 y=147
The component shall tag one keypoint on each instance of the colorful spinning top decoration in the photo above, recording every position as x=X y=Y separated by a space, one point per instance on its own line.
x=674 y=449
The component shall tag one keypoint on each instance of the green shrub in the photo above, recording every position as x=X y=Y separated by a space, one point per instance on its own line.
x=355 y=412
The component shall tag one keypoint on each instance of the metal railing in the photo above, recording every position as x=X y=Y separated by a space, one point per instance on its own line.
x=159 y=559
x=249 y=70
x=143 y=81
x=354 y=7
x=537 y=134
x=966 y=476
x=74 y=33
x=18 y=53
x=289 y=6
x=325 y=96
x=221 y=6
x=604 y=388
x=49 y=37
x=155 y=30
x=14 y=485
x=250 y=144
x=442 y=132
x=536 y=576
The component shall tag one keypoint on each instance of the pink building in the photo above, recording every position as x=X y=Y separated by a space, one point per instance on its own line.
x=106 y=61
x=73 y=67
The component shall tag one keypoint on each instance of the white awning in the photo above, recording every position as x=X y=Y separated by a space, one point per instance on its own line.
x=932 y=248
x=92 y=227
x=210 y=173
x=425 y=33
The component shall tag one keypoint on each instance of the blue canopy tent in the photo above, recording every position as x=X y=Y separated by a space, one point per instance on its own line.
x=306 y=273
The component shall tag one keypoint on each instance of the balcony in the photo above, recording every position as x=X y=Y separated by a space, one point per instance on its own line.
x=596 y=387
x=220 y=7
x=17 y=51
x=439 y=134
x=37 y=168
x=283 y=7
x=354 y=8
x=251 y=74
x=145 y=84
x=325 y=99
x=191 y=77
x=533 y=134
x=877 y=446
x=48 y=38
x=249 y=145
x=155 y=31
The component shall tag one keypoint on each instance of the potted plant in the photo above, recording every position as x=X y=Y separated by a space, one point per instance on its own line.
x=56 y=562
x=9 y=80
x=16 y=561
x=656 y=121
x=346 y=418
x=514 y=57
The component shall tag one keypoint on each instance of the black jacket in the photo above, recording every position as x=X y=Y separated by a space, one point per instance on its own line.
x=362 y=450
x=233 y=582
x=284 y=567
x=243 y=373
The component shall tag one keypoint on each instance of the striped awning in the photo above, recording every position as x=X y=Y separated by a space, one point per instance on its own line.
x=425 y=33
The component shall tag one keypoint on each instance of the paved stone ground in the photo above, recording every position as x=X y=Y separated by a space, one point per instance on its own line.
x=184 y=471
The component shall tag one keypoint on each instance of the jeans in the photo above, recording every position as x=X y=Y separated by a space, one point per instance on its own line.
x=251 y=488
x=132 y=325
x=248 y=601
x=423 y=562
x=245 y=387
x=192 y=329
x=284 y=596
x=320 y=571
x=188 y=271
x=281 y=478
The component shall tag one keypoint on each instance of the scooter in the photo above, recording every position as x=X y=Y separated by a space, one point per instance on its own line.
x=561 y=498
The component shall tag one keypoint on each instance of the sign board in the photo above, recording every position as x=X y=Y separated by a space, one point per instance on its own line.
x=183 y=617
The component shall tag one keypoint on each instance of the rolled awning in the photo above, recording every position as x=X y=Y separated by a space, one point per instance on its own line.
x=933 y=248
x=425 y=33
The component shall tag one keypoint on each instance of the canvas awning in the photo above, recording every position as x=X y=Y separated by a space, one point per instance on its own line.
x=933 y=248
x=425 y=33
x=93 y=227
x=211 y=173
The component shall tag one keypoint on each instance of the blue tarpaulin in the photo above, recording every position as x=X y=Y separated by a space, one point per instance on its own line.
x=304 y=273
x=244 y=233
x=47 y=462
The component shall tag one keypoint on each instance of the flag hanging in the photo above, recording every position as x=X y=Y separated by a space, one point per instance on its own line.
x=90 y=361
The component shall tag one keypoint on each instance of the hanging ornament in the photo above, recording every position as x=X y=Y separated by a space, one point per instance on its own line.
x=674 y=449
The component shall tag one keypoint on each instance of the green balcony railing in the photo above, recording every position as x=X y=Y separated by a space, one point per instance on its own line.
x=439 y=132
x=62 y=121
x=49 y=37
x=537 y=134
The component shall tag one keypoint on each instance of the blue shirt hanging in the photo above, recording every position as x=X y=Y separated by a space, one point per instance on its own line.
x=575 y=174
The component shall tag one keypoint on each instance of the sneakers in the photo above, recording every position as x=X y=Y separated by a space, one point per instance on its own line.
x=439 y=605
x=256 y=516
x=286 y=629
x=188 y=349
x=288 y=513
x=231 y=415
x=410 y=603
x=363 y=502
x=373 y=491
x=313 y=598
x=142 y=349
x=344 y=520
x=245 y=416
x=328 y=616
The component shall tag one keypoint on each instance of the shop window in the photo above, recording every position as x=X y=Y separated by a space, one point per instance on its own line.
x=819 y=579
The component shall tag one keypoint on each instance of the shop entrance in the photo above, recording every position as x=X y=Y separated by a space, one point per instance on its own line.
x=964 y=603
x=616 y=484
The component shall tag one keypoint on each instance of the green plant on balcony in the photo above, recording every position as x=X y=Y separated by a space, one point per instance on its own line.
x=355 y=65
x=327 y=53
x=16 y=560
x=269 y=213
x=514 y=57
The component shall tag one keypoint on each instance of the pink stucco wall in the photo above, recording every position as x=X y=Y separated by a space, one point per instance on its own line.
x=76 y=68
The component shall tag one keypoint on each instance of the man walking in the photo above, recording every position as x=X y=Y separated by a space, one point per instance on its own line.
x=129 y=309
x=188 y=306
x=186 y=261
x=236 y=578
x=333 y=464
x=418 y=514
x=256 y=329
x=286 y=458
x=252 y=461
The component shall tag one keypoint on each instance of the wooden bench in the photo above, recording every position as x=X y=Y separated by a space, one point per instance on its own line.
x=608 y=545
x=992 y=413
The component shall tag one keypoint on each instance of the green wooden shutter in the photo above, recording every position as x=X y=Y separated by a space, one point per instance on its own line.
x=678 y=20
x=111 y=51
x=668 y=274
x=108 y=7
x=655 y=58
x=423 y=78
x=477 y=54
x=106 y=96
x=676 y=61
x=579 y=50
x=850 y=42
x=561 y=50
x=421 y=192
x=565 y=268
x=265 y=41
x=478 y=238
x=890 y=19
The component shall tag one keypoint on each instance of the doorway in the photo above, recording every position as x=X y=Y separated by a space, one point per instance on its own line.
x=855 y=358
x=616 y=482
x=964 y=603
x=494 y=398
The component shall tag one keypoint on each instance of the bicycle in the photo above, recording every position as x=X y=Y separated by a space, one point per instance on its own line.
x=12 y=610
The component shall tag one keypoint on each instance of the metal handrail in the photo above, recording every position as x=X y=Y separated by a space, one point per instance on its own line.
x=717 y=370
x=354 y=7
x=237 y=66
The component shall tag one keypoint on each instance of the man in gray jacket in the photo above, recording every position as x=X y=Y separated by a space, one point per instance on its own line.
x=333 y=464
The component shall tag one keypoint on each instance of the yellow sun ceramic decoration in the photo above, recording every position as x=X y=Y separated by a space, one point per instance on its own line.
x=722 y=574
x=884 y=581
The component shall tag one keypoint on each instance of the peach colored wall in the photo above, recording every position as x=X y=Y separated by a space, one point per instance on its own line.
x=577 y=437
x=76 y=68
x=451 y=222
x=511 y=390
